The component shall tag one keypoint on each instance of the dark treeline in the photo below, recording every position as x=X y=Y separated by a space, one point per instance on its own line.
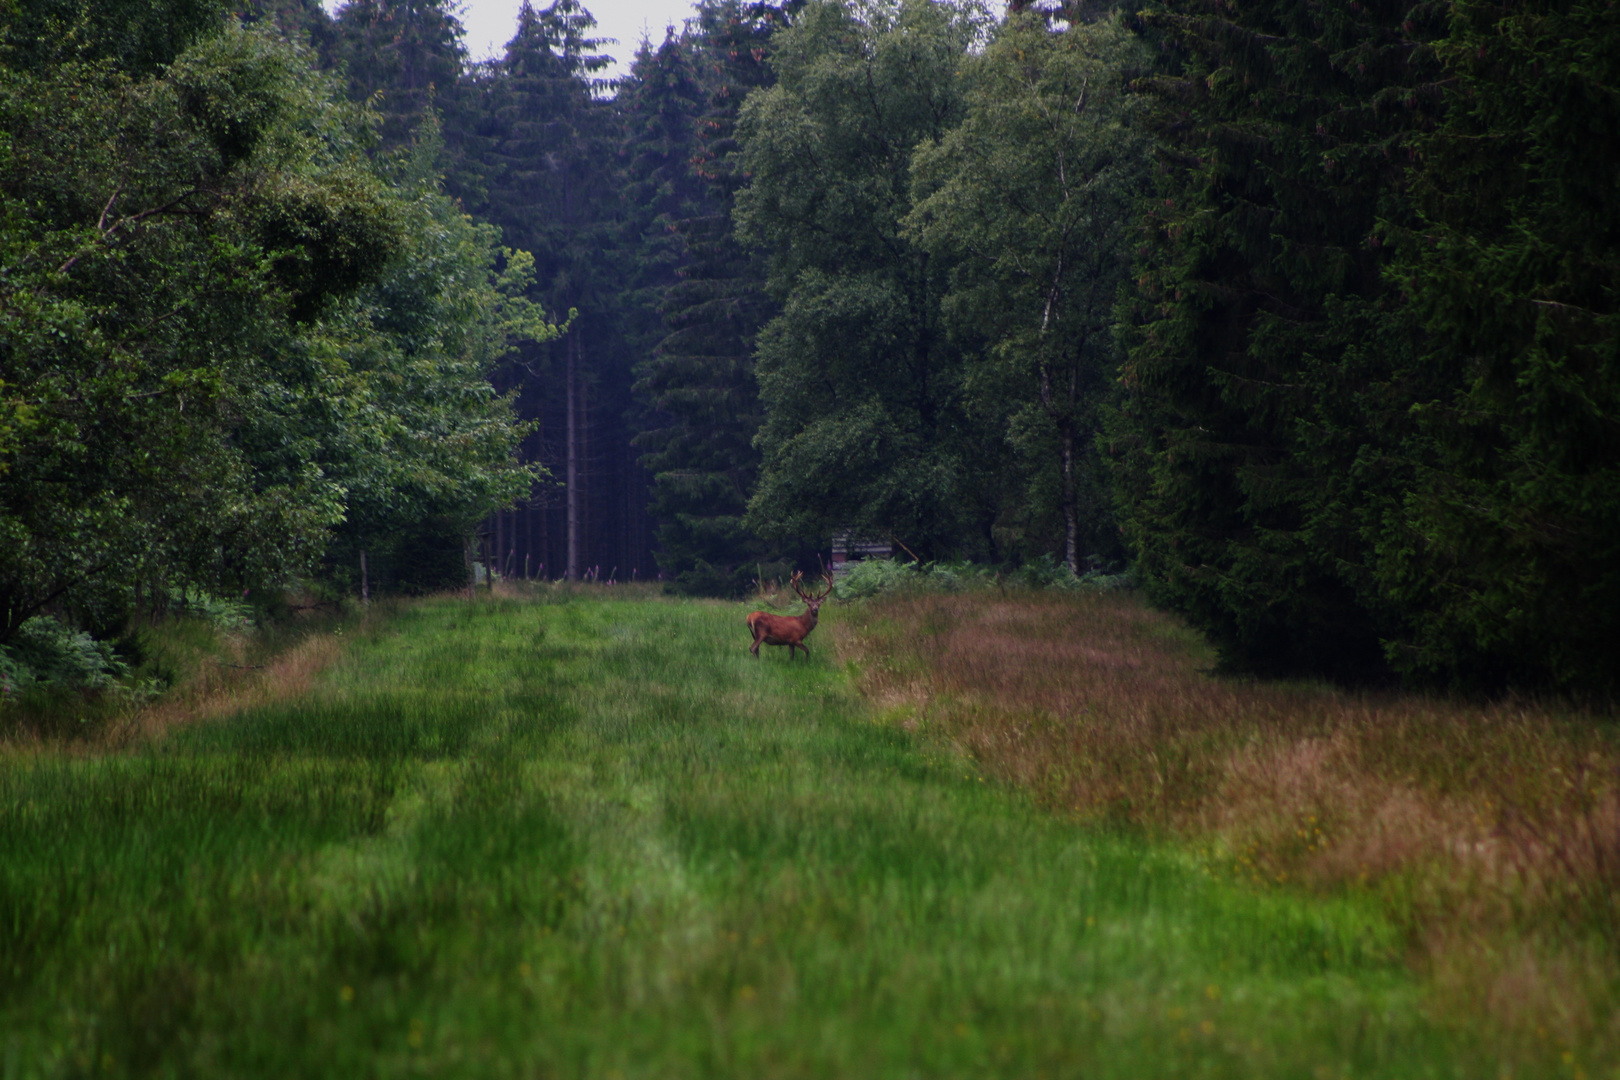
x=1306 y=311
x=1367 y=420
x=1309 y=309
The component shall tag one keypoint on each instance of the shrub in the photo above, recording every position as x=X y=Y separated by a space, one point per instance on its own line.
x=47 y=653
x=874 y=577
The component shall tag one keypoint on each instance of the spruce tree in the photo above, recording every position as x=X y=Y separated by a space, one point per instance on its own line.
x=305 y=23
x=1508 y=550
x=658 y=105
x=1263 y=438
x=404 y=57
x=548 y=166
x=699 y=382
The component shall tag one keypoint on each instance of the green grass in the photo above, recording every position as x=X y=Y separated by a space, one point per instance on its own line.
x=595 y=838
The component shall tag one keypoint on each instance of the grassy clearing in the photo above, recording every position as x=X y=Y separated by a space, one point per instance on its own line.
x=587 y=835
x=1489 y=833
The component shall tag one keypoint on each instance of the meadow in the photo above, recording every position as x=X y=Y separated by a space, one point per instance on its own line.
x=580 y=832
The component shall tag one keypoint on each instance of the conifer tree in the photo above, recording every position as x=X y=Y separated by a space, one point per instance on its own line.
x=1507 y=552
x=304 y=23
x=658 y=105
x=548 y=169
x=404 y=57
x=1263 y=436
x=699 y=382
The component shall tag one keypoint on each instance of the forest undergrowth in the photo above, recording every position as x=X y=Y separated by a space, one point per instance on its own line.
x=1488 y=830
x=186 y=668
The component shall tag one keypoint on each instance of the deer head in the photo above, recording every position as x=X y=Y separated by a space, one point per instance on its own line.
x=812 y=601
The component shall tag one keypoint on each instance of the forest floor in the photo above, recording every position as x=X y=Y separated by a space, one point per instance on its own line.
x=583 y=833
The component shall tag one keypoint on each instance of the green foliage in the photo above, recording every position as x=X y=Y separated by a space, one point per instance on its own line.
x=544 y=155
x=1509 y=558
x=427 y=441
x=872 y=577
x=1030 y=198
x=221 y=613
x=44 y=652
x=698 y=383
x=149 y=297
x=224 y=332
x=138 y=36
x=1263 y=437
x=1372 y=341
x=658 y=108
x=865 y=425
x=404 y=57
x=838 y=265
x=544 y=159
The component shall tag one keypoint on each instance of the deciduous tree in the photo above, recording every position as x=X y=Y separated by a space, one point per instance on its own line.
x=1031 y=198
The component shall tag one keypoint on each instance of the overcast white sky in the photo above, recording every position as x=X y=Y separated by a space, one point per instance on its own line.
x=489 y=24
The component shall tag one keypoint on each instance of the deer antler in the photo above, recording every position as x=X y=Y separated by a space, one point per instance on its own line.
x=789 y=630
x=798 y=587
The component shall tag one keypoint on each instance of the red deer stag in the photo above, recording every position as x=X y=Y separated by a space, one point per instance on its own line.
x=789 y=630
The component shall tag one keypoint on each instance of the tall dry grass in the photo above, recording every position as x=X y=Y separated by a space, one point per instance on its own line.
x=223 y=687
x=1491 y=829
x=212 y=671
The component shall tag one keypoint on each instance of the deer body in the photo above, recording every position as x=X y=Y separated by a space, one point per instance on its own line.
x=789 y=630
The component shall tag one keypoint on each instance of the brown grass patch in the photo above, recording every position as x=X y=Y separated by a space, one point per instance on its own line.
x=220 y=672
x=1491 y=830
x=222 y=688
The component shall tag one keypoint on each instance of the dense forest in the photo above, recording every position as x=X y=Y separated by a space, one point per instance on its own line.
x=1307 y=312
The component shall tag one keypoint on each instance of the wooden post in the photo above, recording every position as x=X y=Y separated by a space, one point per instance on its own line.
x=365 y=579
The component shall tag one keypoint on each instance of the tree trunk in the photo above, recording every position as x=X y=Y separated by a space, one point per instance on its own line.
x=586 y=517
x=1063 y=416
x=500 y=541
x=546 y=558
x=1071 y=511
x=572 y=468
x=365 y=579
